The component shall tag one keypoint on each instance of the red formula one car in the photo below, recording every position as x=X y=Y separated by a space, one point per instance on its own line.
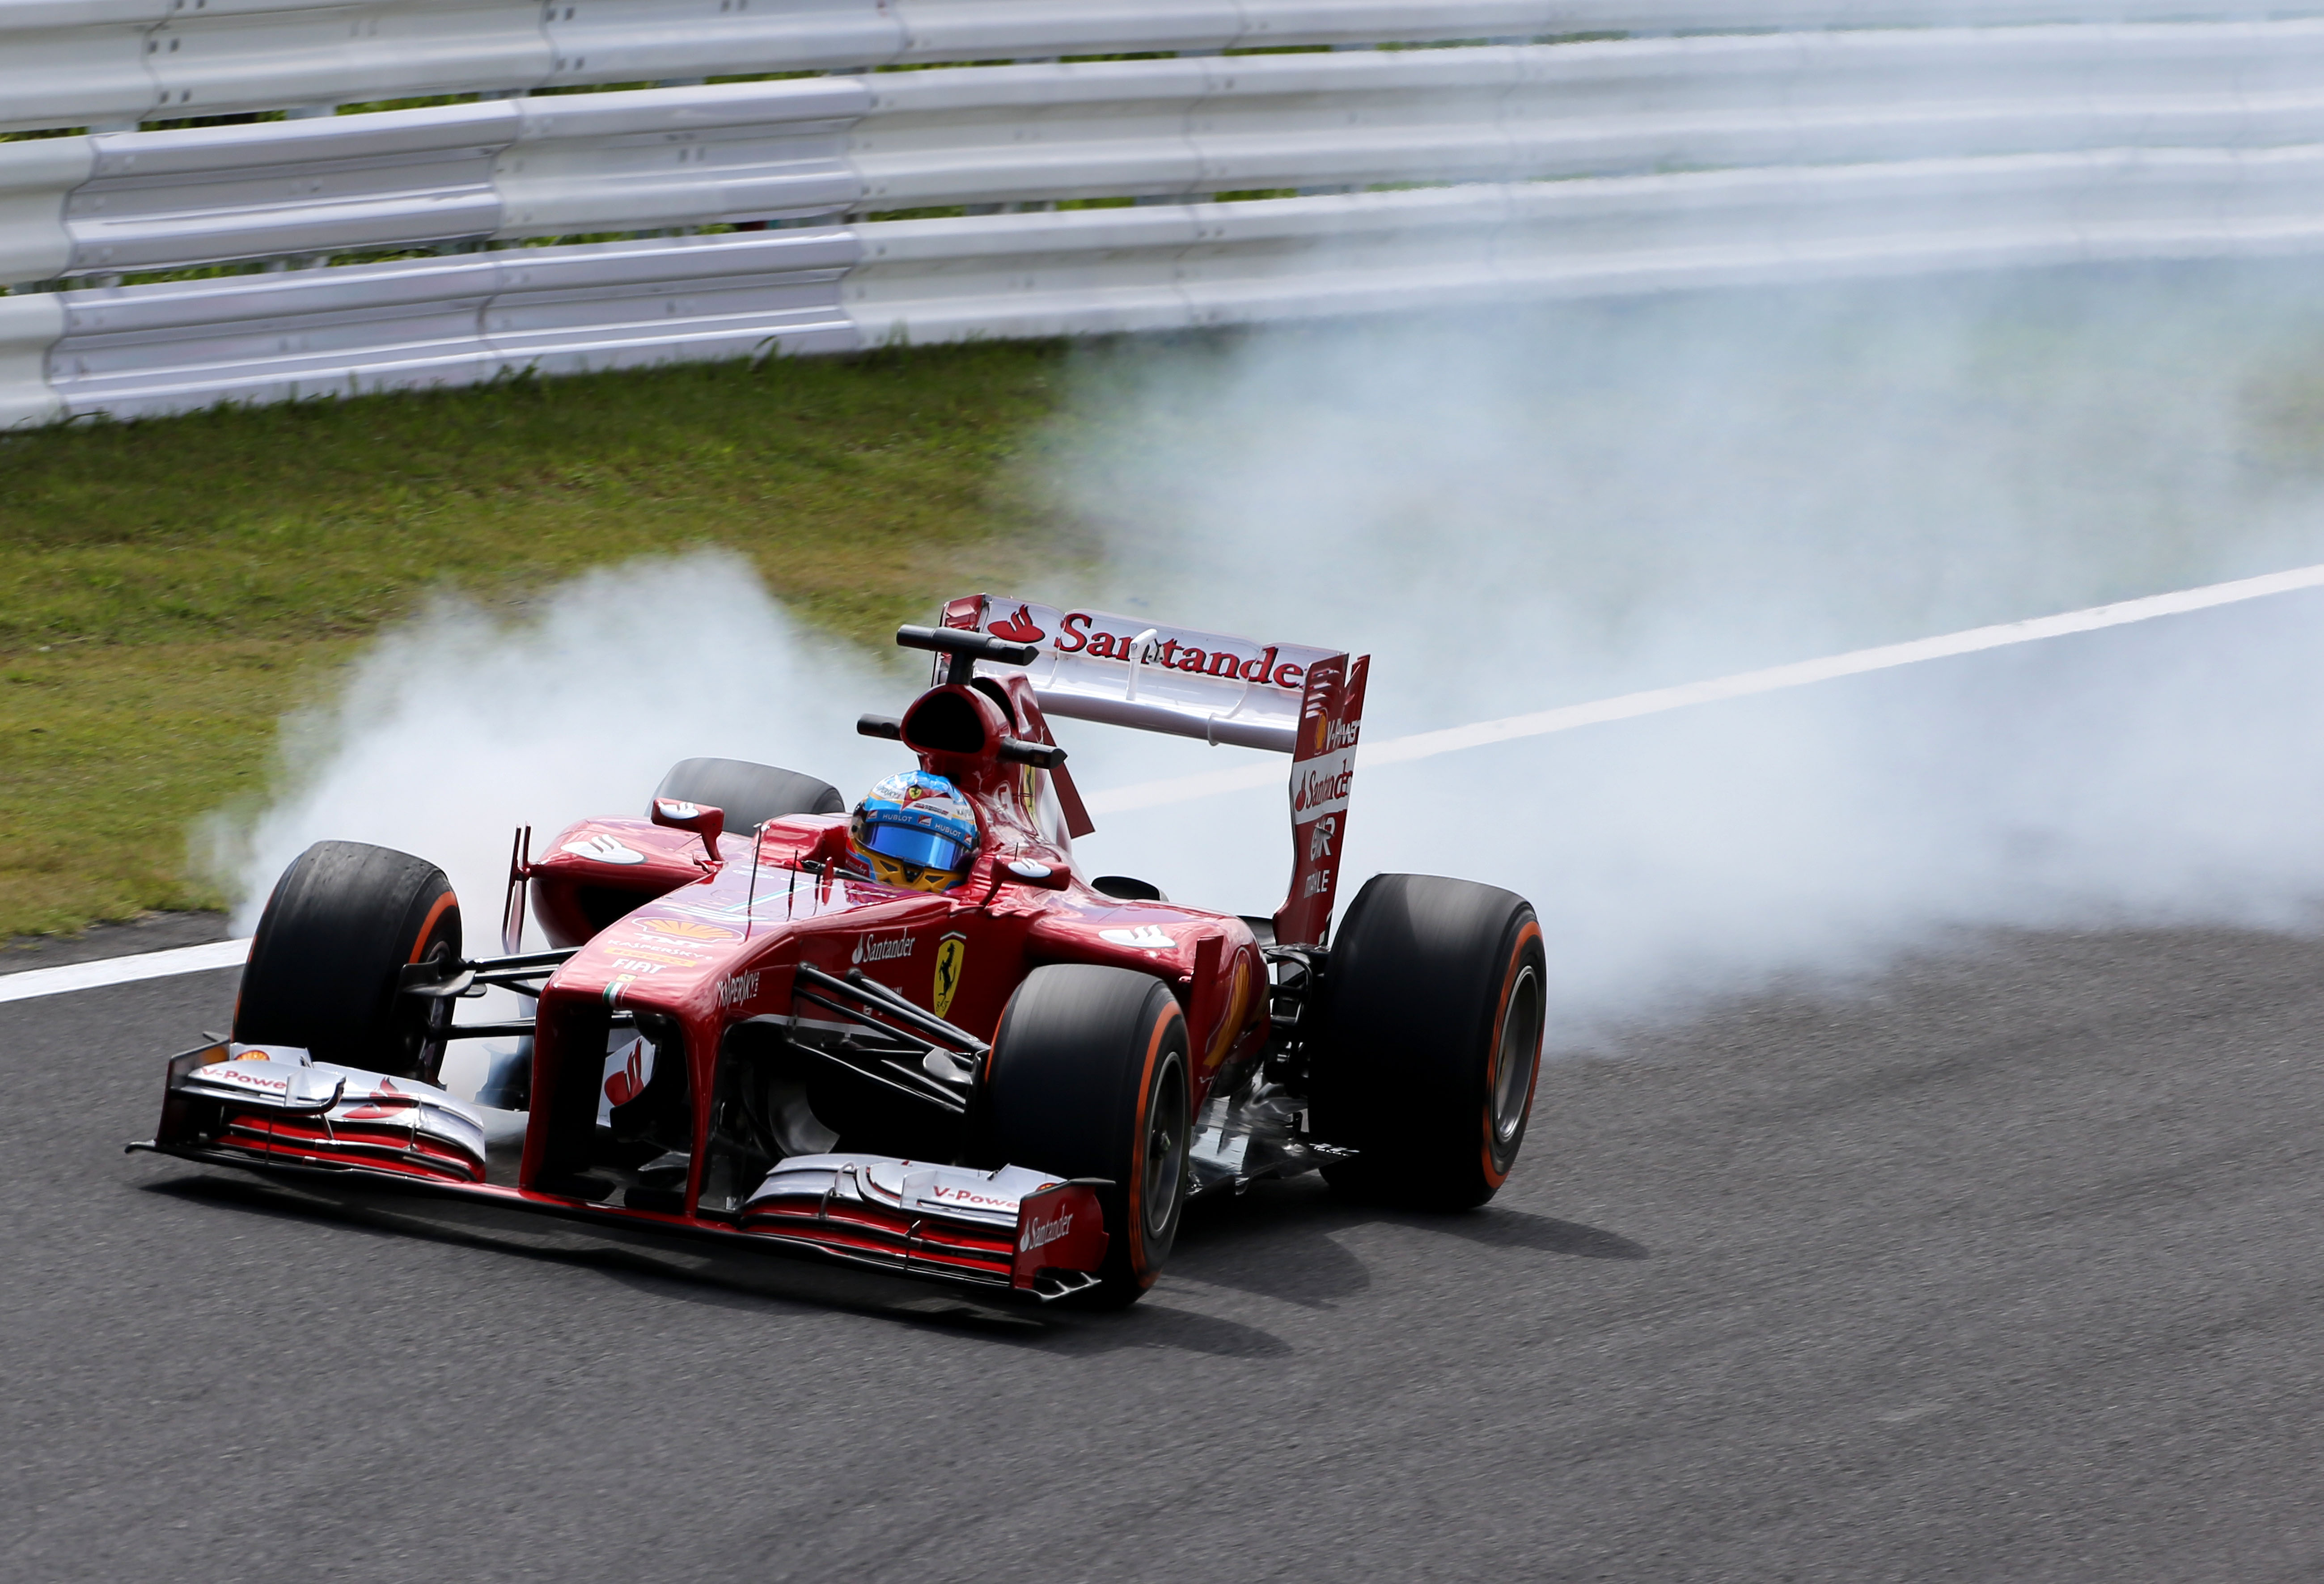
x=1013 y=1085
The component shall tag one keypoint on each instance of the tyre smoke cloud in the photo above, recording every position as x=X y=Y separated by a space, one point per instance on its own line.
x=1556 y=505
x=464 y=724
x=1545 y=507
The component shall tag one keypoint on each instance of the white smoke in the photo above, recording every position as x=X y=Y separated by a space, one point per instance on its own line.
x=1558 y=504
x=460 y=726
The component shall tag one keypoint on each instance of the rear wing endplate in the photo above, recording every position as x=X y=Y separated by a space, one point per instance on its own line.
x=1213 y=687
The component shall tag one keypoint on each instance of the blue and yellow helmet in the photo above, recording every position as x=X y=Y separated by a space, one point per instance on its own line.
x=916 y=831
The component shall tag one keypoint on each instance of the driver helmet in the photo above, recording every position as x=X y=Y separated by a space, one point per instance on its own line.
x=914 y=829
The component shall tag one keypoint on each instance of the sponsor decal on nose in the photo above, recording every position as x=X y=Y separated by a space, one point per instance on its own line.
x=685 y=929
x=652 y=951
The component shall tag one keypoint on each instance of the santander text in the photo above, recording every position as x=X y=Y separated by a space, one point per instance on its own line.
x=1075 y=638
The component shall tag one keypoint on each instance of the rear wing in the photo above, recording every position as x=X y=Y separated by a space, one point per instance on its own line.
x=1287 y=698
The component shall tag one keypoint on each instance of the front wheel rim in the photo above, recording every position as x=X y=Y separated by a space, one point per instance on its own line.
x=428 y=1041
x=1514 y=1061
x=1166 y=1148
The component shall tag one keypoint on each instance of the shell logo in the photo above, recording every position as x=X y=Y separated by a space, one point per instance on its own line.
x=685 y=929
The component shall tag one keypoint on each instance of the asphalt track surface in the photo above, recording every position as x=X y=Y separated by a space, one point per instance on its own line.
x=2005 y=1268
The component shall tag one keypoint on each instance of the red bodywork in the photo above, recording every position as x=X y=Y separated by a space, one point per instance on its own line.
x=720 y=941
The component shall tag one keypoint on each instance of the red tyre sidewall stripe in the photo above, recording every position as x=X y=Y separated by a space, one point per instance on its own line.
x=1140 y=1267
x=1496 y=1176
x=427 y=925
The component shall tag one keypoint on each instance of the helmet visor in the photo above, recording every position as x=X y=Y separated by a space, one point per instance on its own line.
x=906 y=844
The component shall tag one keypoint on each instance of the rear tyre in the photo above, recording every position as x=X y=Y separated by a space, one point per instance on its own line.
x=1430 y=1040
x=749 y=794
x=344 y=922
x=1090 y=1079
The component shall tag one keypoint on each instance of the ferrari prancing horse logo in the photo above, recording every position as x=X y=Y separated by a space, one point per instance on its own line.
x=949 y=952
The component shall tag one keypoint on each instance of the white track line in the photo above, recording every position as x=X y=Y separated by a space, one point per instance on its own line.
x=51 y=981
x=105 y=970
x=1654 y=701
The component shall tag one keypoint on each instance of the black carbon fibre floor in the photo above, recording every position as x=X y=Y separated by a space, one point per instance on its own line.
x=2007 y=1268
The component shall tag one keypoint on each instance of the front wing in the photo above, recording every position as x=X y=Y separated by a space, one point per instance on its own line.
x=1013 y=1230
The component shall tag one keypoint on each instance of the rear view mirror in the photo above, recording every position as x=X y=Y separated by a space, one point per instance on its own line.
x=701 y=819
x=1045 y=877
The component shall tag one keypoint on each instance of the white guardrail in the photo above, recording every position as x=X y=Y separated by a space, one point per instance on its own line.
x=111 y=63
x=1787 y=155
x=273 y=337
x=821 y=147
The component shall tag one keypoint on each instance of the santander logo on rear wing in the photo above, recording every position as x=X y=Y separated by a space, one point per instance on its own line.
x=1215 y=687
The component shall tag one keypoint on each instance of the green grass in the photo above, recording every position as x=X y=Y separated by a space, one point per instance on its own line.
x=169 y=588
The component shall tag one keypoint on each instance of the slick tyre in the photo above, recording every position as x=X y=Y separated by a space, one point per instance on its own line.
x=344 y=922
x=749 y=794
x=1430 y=1040
x=1090 y=1079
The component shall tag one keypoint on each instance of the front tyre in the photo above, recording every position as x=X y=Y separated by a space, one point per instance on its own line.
x=1430 y=1040
x=344 y=922
x=749 y=794
x=1090 y=1079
